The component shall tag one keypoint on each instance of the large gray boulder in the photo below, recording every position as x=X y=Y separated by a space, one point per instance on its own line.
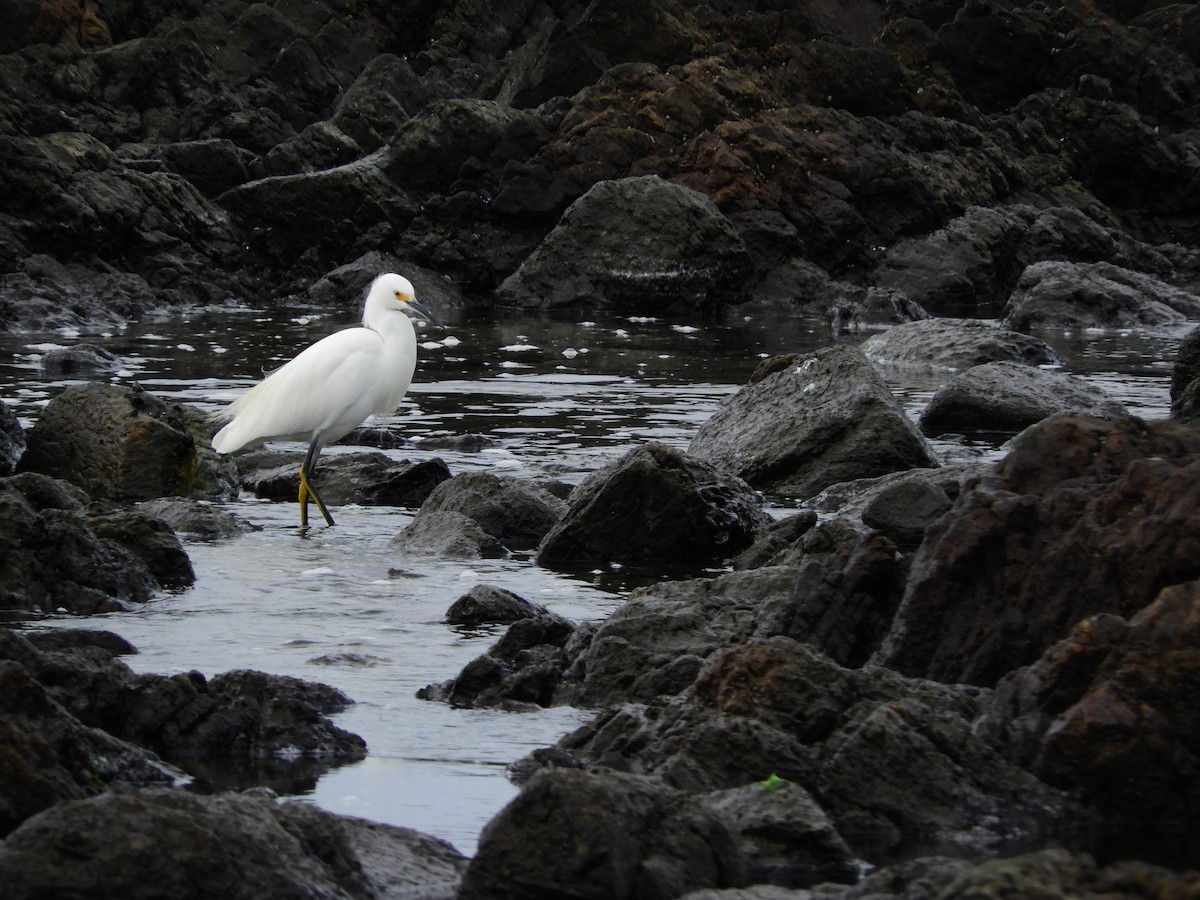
x=1004 y=397
x=171 y=843
x=478 y=513
x=655 y=504
x=640 y=245
x=827 y=418
x=1095 y=295
x=122 y=443
x=955 y=344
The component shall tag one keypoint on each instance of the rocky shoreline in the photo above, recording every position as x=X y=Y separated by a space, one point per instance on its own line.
x=929 y=681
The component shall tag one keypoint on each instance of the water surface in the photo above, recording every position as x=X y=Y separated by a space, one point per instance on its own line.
x=557 y=399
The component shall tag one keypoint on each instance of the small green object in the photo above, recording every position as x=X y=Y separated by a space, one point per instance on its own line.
x=772 y=783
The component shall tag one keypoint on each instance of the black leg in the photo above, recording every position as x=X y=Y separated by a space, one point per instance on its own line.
x=306 y=487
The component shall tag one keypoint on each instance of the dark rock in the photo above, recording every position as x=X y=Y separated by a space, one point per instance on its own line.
x=151 y=540
x=655 y=504
x=955 y=344
x=895 y=762
x=49 y=755
x=615 y=836
x=370 y=479
x=522 y=671
x=12 y=440
x=1106 y=712
x=321 y=145
x=1095 y=295
x=79 y=359
x=1005 y=397
x=448 y=533
x=213 y=166
x=379 y=101
x=905 y=509
x=787 y=839
x=196 y=521
x=828 y=418
x=1185 y=379
x=430 y=150
x=488 y=605
x=775 y=538
x=512 y=512
x=1083 y=516
x=231 y=845
x=52 y=561
x=640 y=245
x=115 y=442
x=71 y=638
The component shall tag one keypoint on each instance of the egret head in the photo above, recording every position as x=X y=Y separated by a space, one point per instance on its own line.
x=397 y=292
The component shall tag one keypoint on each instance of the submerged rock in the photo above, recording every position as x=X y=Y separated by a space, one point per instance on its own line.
x=485 y=604
x=955 y=344
x=655 y=504
x=369 y=479
x=480 y=514
x=1005 y=397
x=827 y=418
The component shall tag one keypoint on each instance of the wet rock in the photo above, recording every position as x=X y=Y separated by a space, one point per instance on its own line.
x=774 y=539
x=115 y=442
x=634 y=245
x=325 y=212
x=49 y=755
x=79 y=359
x=1095 y=295
x=151 y=540
x=955 y=344
x=655 y=504
x=1083 y=516
x=73 y=638
x=12 y=440
x=787 y=839
x=448 y=533
x=214 y=165
x=522 y=671
x=828 y=418
x=321 y=145
x=905 y=509
x=196 y=520
x=895 y=762
x=512 y=512
x=236 y=716
x=431 y=149
x=370 y=479
x=1106 y=712
x=233 y=845
x=485 y=604
x=52 y=561
x=1005 y=397
x=378 y=102
x=1185 y=380
x=617 y=836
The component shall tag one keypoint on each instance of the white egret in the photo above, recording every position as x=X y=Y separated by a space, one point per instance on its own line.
x=331 y=387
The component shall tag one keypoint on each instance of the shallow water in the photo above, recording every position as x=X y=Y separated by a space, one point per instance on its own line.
x=559 y=399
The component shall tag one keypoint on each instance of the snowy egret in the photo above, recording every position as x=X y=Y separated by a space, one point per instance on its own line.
x=331 y=387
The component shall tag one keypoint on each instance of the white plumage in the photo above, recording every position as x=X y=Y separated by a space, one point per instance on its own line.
x=331 y=387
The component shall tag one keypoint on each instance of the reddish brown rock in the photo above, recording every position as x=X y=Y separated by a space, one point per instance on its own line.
x=1112 y=712
x=1084 y=516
